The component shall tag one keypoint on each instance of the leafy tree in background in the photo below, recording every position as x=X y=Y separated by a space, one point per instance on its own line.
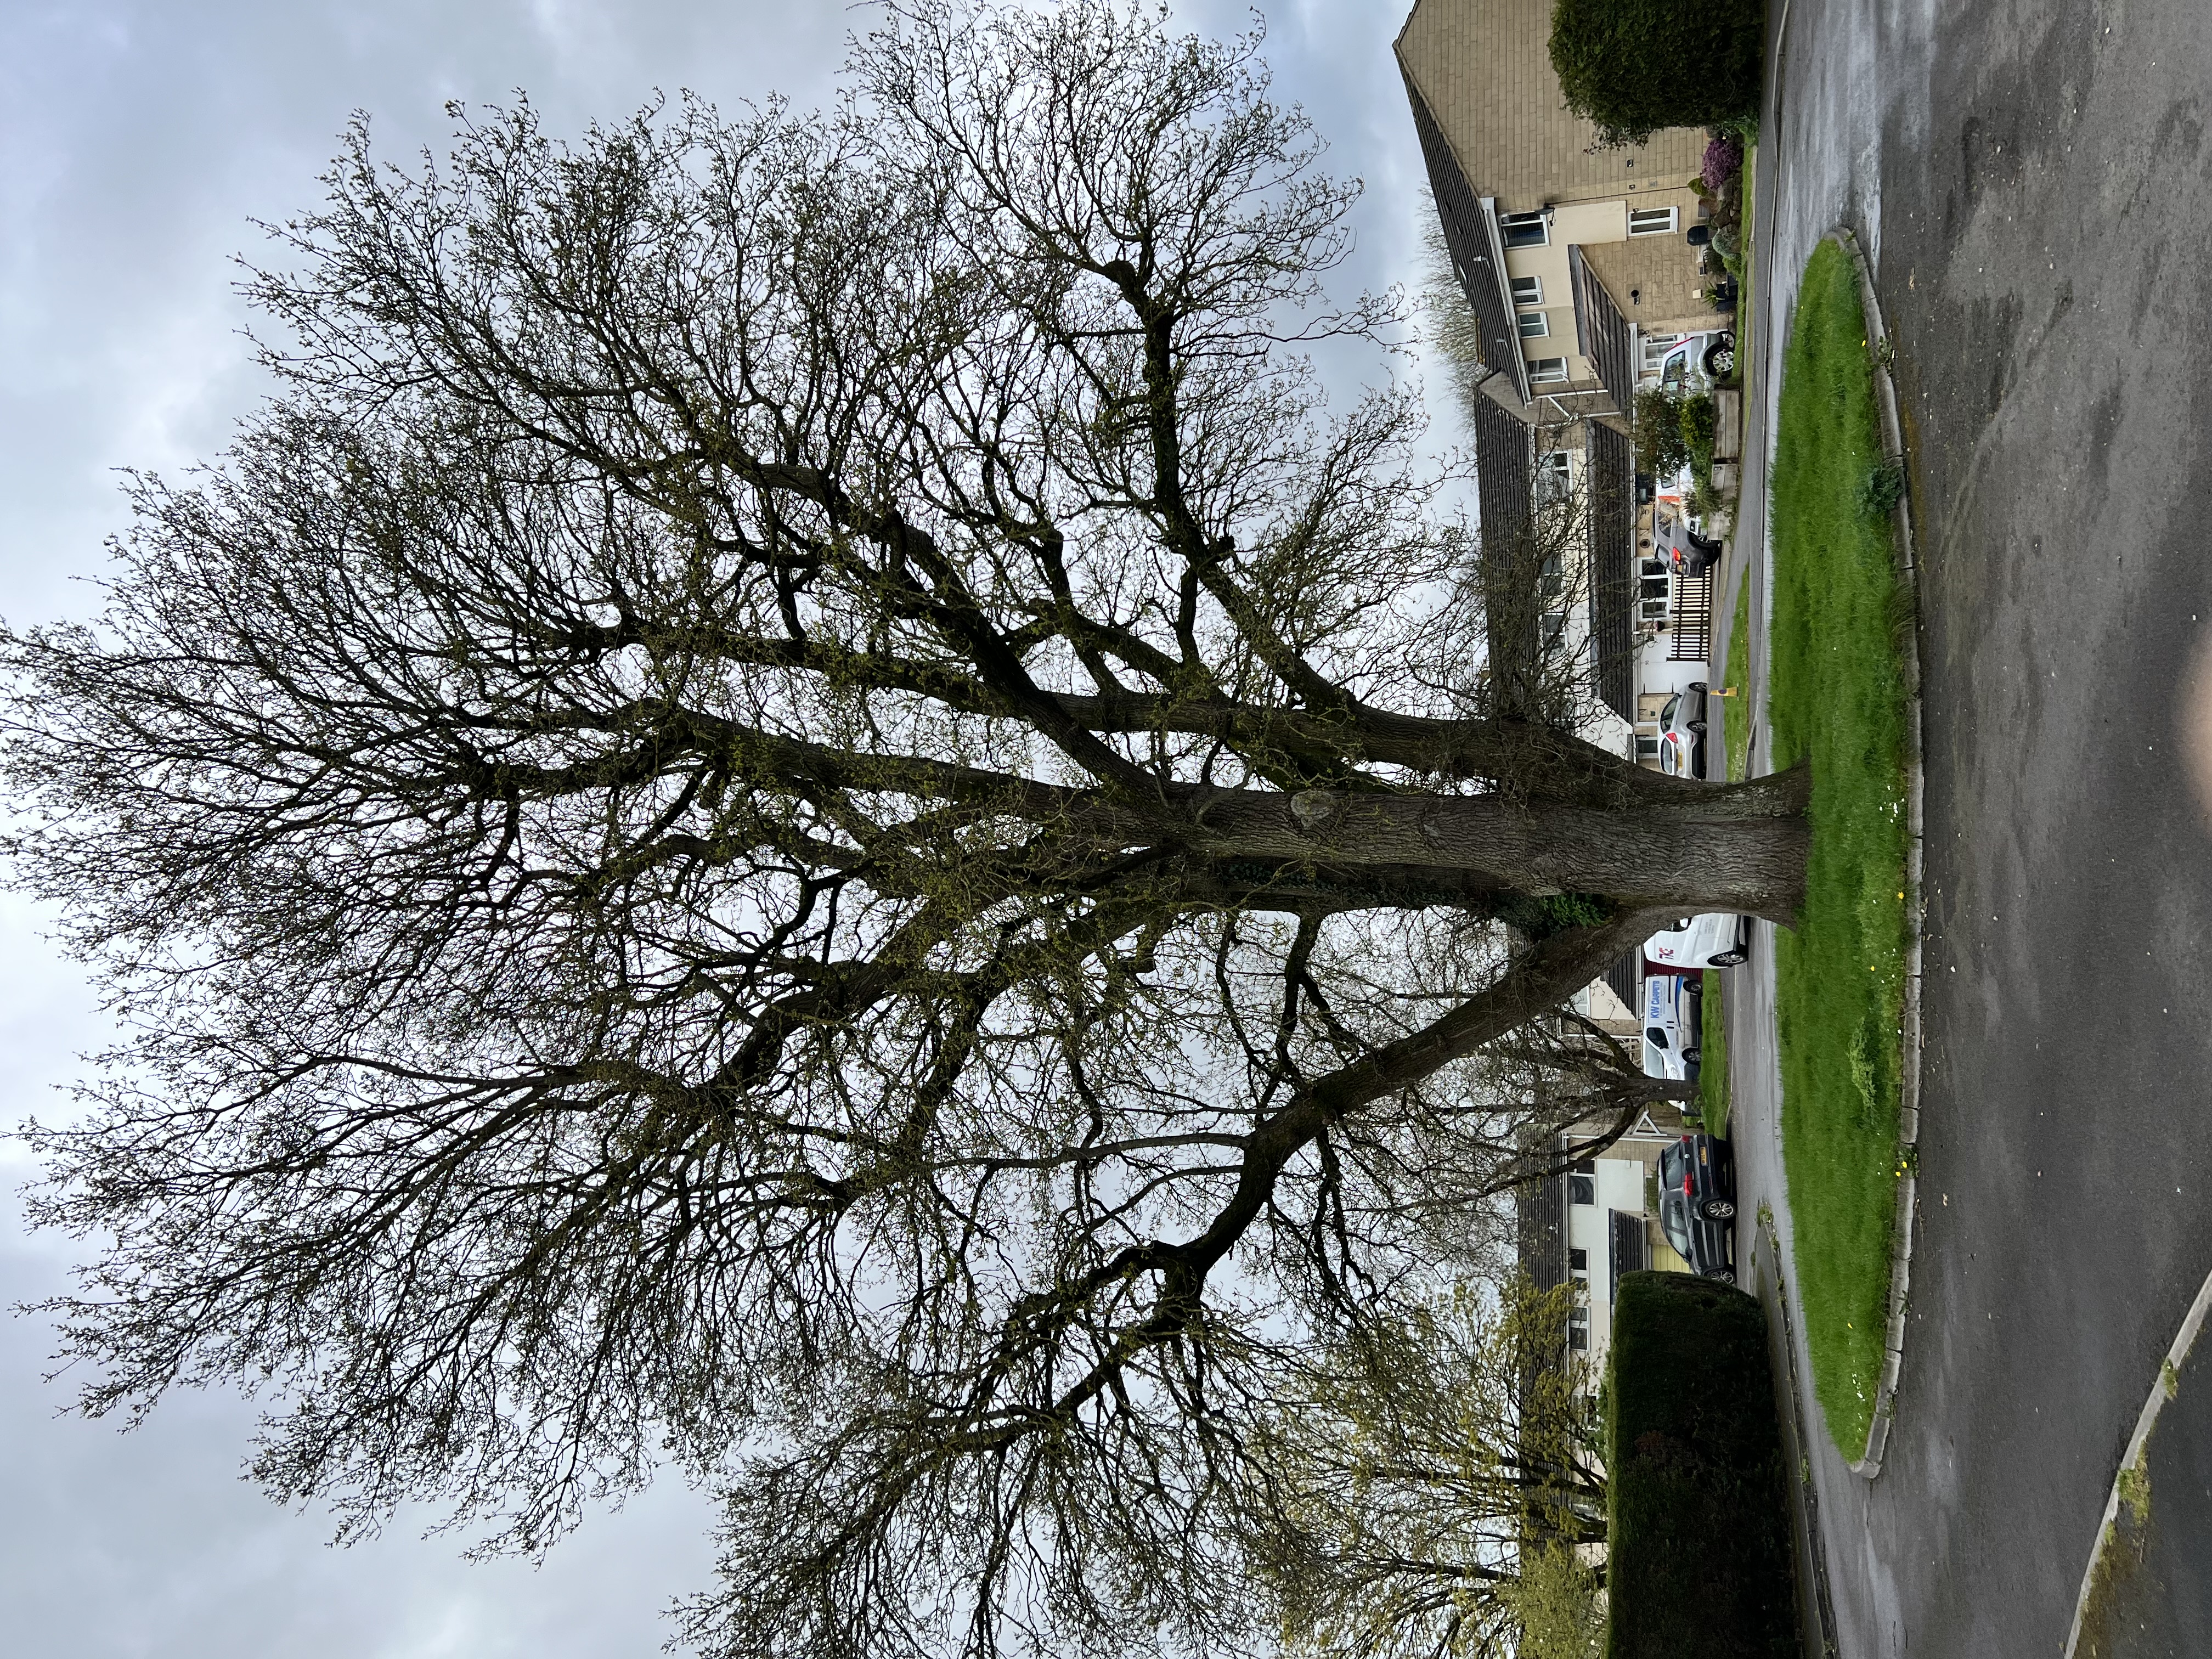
x=1635 y=66
x=799 y=811
x=1437 y=1474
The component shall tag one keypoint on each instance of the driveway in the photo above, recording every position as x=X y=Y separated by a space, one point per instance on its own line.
x=2031 y=184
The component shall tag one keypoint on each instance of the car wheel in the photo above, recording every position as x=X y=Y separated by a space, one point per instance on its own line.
x=1718 y=1209
x=1720 y=357
x=1693 y=1056
x=1726 y=959
x=1698 y=686
x=1726 y=1275
x=1697 y=726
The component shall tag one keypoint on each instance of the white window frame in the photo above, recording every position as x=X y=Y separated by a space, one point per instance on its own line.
x=1528 y=290
x=1548 y=371
x=1658 y=221
x=1541 y=321
x=1510 y=222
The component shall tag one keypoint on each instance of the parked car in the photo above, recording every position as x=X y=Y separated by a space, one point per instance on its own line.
x=1696 y=1203
x=1679 y=542
x=1674 y=1025
x=1682 y=732
x=1695 y=361
x=1715 y=940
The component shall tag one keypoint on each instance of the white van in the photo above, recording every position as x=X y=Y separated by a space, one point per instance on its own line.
x=1674 y=1023
x=1715 y=940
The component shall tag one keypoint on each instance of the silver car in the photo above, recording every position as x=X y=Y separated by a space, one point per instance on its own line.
x=1682 y=732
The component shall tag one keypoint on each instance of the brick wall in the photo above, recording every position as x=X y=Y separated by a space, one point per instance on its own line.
x=1660 y=271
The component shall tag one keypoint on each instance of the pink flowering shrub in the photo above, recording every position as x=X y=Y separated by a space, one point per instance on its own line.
x=1724 y=161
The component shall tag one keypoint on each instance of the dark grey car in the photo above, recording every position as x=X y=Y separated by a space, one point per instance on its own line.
x=1696 y=1203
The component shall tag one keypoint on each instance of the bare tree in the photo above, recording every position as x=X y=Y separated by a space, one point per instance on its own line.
x=798 y=812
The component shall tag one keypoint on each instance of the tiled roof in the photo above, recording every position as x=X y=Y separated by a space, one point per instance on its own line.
x=1477 y=259
x=1601 y=333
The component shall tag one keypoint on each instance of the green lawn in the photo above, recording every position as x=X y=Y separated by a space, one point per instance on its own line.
x=1837 y=699
x=1712 y=1069
x=1736 y=712
x=1733 y=715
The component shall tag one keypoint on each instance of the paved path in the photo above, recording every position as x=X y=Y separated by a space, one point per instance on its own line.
x=2032 y=184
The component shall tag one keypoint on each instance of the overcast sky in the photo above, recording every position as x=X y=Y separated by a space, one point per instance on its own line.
x=137 y=139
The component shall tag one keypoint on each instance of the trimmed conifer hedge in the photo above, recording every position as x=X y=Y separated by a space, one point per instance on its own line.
x=1634 y=66
x=1699 y=1553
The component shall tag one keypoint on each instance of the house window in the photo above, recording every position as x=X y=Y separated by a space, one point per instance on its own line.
x=1524 y=229
x=1578 y=1330
x=1546 y=371
x=1577 y=1259
x=1649 y=221
x=1536 y=324
x=1581 y=1188
x=1528 y=290
x=1551 y=475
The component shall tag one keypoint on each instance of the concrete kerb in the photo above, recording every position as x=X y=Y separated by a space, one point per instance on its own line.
x=2177 y=1356
x=1908 y=1129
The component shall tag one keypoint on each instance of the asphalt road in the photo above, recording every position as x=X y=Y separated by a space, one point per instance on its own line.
x=2032 y=184
x=2154 y=1597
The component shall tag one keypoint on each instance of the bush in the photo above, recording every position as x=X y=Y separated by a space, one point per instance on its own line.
x=1701 y=422
x=1634 y=66
x=1724 y=161
x=1660 y=450
x=1699 y=1561
x=1883 y=489
x=1554 y=913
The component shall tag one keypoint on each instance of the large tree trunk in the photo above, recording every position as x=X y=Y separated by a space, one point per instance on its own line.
x=1741 y=849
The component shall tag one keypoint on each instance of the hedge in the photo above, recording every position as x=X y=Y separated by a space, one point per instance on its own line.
x=1634 y=66
x=1698 y=1554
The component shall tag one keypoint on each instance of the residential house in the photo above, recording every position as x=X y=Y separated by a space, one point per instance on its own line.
x=1595 y=1221
x=1575 y=258
x=1576 y=264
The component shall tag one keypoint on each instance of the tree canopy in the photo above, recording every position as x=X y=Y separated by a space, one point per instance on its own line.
x=798 y=810
x=1635 y=66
